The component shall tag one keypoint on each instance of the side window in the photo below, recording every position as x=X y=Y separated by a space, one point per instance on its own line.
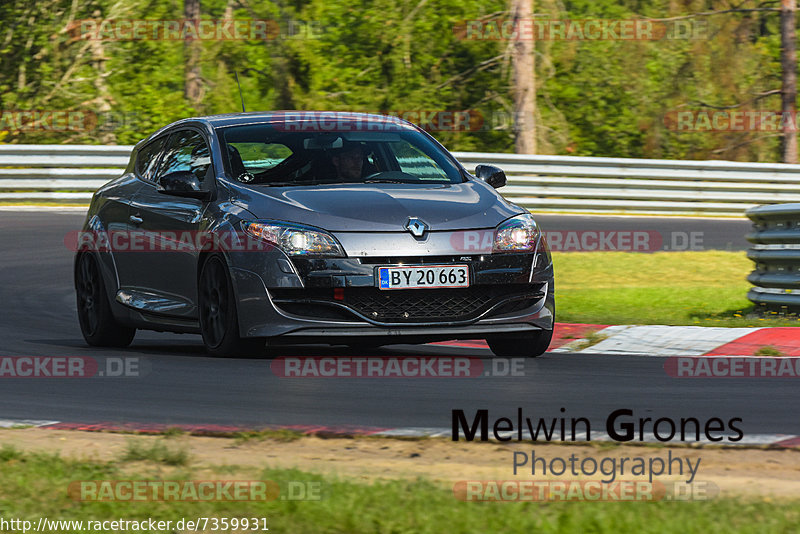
x=148 y=158
x=186 y=151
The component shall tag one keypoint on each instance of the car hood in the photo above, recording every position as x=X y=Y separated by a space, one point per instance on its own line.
x=381 y=207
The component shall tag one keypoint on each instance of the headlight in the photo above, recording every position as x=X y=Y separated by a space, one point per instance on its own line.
x=517 y=234
x=294 y=239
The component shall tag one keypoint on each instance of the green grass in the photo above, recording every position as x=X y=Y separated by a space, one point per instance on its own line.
x=282 y=435
x=173 y=431
x=707 y=288
x=8 y=453
x=768 y=350
x=590 y=338
x=35 y=485
x=157 y=451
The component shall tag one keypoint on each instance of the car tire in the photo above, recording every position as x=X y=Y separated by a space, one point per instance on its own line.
x=219 y=322
x=98 y=325
x=528 y=345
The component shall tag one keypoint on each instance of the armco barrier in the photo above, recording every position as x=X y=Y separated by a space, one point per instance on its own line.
x=67 y=173
x=776 y=254
x=71 y=172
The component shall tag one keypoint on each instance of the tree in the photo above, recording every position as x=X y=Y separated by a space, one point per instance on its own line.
x=789 y=79
x=192 y=87
x=524 y=81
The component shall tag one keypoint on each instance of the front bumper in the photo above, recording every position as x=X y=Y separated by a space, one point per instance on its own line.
x=332 y=299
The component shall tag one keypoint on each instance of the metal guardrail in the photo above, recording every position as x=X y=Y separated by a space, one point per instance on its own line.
x=776 y=254
x=642 y=185
x=66 y=173
x=577 y=184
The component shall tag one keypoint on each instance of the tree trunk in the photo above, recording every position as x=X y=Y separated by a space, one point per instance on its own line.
x=524 y=80
x=789 y=85
x=102 y=103
x=191 y=52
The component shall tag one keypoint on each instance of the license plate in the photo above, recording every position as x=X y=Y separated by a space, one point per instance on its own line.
x=423 y=277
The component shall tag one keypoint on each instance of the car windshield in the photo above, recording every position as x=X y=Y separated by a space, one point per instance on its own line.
x=263 y=155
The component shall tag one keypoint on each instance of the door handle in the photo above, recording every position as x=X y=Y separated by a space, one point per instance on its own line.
x=135 y=219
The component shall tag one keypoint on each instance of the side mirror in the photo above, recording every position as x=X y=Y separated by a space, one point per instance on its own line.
x=492 y=175
x=183 y=184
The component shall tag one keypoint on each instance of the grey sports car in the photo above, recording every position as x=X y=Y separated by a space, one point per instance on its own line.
x=261 y=229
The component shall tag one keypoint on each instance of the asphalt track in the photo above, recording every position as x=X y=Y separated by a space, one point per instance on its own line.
x=181 y=385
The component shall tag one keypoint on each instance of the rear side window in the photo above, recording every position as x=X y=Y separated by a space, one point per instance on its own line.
x=147 y=159
x=186 y=151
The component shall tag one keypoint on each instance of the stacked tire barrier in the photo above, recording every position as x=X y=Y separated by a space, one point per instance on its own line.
x=776 y=254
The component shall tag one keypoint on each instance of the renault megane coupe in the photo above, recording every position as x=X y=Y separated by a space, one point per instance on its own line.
x=261 y=229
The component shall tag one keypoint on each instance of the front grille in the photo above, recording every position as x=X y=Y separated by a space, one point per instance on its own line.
x=422 y=305
x=418 y=305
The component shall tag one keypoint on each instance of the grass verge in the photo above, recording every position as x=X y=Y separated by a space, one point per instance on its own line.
x=704 y=288
x=158 y=451
x=35 y=485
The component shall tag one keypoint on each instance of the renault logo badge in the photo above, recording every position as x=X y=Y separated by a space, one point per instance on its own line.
x=416 y=227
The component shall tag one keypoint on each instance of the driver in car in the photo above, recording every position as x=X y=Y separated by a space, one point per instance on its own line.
x=349 y=162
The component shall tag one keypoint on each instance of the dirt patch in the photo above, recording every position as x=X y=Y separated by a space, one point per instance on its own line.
x=774 y=472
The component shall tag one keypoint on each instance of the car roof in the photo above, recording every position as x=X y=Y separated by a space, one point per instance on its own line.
x=303 y=120
x=267 y=117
